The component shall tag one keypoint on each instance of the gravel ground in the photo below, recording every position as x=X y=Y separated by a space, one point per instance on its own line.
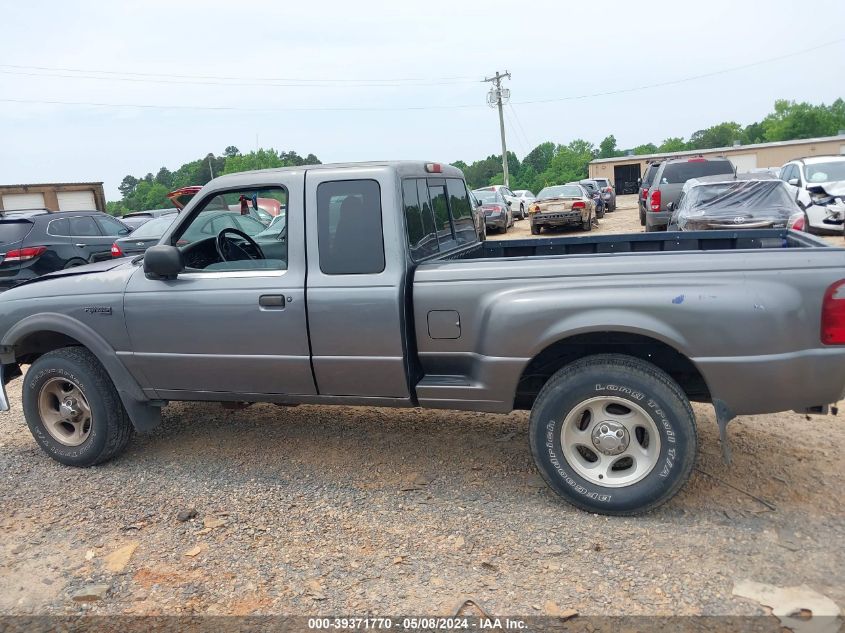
x=353 y=510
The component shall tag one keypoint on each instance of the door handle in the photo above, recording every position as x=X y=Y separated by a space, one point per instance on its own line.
x=272 y=301
x=80 y=245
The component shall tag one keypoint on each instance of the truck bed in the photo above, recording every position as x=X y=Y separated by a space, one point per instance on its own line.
x=641 y=243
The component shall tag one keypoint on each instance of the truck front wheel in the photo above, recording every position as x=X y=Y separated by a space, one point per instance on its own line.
x=613 y=434
x=72 y=408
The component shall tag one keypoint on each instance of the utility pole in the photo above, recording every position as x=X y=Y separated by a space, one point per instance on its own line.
x=497 y=97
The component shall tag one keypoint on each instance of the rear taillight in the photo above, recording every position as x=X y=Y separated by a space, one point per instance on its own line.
x=115 y=250
x=833 y=314
x=578 y=205
x=796 y=222
x=24 y=254
x=655 y=200
x=645 y=192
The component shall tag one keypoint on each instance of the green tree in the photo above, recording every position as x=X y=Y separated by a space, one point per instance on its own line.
x=541 y=156
x=230 y=151
x=127 y=185
x=792 y=120
x=646 y=148
x=672 y=144
x=164 y=177
x=721 y=135
x=607 y=148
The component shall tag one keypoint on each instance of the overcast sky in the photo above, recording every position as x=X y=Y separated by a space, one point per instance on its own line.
x=329 y=77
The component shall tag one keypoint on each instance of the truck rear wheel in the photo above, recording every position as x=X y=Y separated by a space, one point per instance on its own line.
x=72 y=408
x=613 y=434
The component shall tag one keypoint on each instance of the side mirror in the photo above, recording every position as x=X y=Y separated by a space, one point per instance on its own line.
x=510 y=203
x=671 y=207
x=793 y=181
x=163 y=262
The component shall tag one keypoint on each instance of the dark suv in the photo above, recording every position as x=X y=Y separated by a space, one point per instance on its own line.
x=35 y=242
x=668 y=182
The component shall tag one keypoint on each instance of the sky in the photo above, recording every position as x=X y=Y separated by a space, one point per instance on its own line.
x=370 y=80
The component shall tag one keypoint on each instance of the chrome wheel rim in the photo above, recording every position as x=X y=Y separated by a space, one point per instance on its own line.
x=64 y=411
x=610 y=441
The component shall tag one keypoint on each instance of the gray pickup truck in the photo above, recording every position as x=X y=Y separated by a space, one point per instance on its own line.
x=374 y=290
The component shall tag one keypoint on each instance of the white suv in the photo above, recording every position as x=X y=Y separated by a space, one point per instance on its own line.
x=816 y=178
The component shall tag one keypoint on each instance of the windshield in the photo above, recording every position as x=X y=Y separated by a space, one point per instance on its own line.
x=485 y=196
x=560 y=191
x=154 y=228
x=825 y=172
x=590 y=186
x=14 y=230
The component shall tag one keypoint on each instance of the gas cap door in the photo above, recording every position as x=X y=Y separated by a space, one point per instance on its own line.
x=444 y=324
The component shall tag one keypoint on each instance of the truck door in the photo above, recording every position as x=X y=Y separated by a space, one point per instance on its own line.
x=231 y=323
x=356 y=283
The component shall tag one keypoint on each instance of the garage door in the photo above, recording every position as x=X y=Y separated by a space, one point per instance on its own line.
x=744 y=162
x=76 y=201
x=12 y=201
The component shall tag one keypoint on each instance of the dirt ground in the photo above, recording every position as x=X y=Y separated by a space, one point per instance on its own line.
x=362 y=510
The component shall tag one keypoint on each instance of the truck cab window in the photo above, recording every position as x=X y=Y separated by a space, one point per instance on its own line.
x=461 y=211
x=440 y=205
x=349 y=229
x=419 y=221
x=237 y=231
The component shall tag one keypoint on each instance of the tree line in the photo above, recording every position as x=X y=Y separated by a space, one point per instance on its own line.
x=547 y=164
x=150 y=191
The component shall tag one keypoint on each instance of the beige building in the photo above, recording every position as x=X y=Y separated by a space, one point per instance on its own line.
x=58 y=196
x=623 y=171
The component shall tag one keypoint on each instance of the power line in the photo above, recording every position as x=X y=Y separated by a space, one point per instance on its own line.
x=263 y=84
x=512 y=126
x=409 y=108
x=519 y=124
x=685 y=79
x=263 y=80
x=153 y=106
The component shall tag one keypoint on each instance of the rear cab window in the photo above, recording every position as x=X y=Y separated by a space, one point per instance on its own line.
x=678 y=173
x=438 y=215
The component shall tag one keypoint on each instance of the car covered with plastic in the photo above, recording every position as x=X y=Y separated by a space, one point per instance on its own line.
x=747 y=201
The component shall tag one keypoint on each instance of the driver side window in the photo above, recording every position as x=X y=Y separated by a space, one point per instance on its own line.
x=237 y=230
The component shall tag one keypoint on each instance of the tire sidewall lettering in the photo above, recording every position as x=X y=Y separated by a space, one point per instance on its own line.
x=558 y=467
x=39 y=431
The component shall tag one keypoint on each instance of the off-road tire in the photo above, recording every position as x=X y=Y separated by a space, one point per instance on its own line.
x=111 y=428
x=642 y=217
x=639 y=382
x=535 y=230
x=588 y=225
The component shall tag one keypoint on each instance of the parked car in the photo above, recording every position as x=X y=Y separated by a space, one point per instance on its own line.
x=525 y=198
x=748 y=201
x=817 y=179
x=517 y=205
x=608 y=193
x=618 y=333
x=135 y=219
x=645 y=183
x=498 y=214
x=562 y=205
x=146 y=235
x=669 y=181
x=595 y=191
x=35 y=242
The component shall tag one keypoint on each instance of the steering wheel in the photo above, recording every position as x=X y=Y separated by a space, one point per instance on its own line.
x=228 y=249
